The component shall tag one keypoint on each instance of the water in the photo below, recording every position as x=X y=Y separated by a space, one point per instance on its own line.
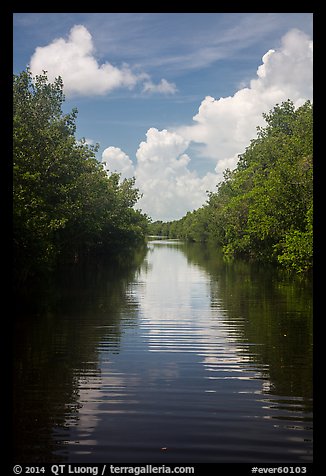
x=177 y=357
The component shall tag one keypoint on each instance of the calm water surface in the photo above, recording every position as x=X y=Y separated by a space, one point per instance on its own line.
x=177 y=357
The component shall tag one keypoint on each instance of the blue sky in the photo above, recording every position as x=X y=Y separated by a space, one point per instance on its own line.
x=172 y=98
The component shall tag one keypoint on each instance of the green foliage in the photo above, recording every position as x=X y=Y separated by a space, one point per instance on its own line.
x=263 y=208
x=64 y=202
x=296 y=249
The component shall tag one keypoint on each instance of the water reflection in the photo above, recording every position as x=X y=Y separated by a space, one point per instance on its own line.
x=182 y=358
x=270 y=310
x=59 y=330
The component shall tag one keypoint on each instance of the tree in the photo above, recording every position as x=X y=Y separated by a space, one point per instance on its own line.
x=42 y=142
x=263 y=208
x=64 y=202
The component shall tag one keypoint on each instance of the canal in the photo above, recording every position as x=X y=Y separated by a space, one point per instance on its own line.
x=173 y=356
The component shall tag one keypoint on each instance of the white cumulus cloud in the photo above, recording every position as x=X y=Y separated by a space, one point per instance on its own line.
x=163 y=86
x=169 y=188
x=226 y=125
x=162 y=174
x=115 y=160
x=223 y=127
x=74 y=60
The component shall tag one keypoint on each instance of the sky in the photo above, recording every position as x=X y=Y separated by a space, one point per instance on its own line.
x=172 y=99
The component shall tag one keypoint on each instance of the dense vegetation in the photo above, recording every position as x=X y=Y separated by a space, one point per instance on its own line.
x=65 y=206
x=264 y=208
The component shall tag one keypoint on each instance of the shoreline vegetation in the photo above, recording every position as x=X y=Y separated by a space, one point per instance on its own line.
x=66 y=207
x=263 y=209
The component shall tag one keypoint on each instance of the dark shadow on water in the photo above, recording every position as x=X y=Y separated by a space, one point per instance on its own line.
x=58 y=325
x=61 y=322
x=273 y=309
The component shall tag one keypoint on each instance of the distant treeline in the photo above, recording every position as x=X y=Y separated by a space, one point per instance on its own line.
x=263 y=209
x=65 y=206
